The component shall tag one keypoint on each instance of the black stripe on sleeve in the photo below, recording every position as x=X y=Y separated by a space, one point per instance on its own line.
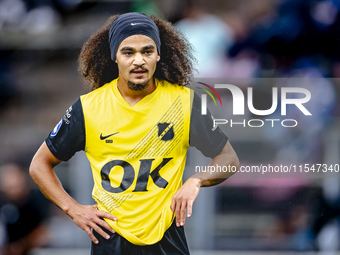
x=209 y=142
x=68 y=136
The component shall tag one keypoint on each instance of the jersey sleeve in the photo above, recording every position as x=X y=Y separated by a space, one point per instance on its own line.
x=202 y=136
x=68 y=136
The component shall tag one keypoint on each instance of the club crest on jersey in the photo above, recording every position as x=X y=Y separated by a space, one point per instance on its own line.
x=165 y=131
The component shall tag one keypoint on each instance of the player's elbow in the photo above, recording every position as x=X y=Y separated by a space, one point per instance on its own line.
x=230 y=157
x=34 y=168
x=42 y=163
x=235 y=161
x=38 y=165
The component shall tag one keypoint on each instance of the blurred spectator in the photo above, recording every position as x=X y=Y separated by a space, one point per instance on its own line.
x=291 y=231
x=298 y=28
x=19 y=213
x=148 y=7
x=208 y=47
x=33 y=17
x=326 y=227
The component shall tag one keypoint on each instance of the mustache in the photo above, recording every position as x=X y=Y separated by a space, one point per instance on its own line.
x=139 y=69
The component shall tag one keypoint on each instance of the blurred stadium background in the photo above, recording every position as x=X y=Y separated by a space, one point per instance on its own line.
x=39 y=45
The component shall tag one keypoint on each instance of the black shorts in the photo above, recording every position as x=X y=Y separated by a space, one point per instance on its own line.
x=172 y=243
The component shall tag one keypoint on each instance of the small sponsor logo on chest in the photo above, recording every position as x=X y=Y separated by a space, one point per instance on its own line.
x=107 y=136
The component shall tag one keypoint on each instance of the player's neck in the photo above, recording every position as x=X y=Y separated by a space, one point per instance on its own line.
x=131 y=96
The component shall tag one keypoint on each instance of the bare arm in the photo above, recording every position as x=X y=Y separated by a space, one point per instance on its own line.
x=84 y=216
x=227 y=158
x=184 y=198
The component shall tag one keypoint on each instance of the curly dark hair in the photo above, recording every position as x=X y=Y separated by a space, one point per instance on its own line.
x=175 y=66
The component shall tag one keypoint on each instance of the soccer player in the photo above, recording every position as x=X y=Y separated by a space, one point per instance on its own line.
x=135 y=128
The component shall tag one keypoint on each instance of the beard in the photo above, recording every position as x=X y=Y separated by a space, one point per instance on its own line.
x=137 y=87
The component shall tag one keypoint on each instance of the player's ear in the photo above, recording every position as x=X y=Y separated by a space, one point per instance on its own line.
x=158 y=58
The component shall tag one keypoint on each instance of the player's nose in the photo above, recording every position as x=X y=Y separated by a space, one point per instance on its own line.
x=139 y=60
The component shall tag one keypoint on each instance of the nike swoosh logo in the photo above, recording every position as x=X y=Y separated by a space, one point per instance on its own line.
x=104 y=137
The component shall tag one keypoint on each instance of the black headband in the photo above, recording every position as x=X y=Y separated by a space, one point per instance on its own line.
x=129 y=24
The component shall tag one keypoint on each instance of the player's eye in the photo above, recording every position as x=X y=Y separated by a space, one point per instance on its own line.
x=148 y=52
x=127 y=53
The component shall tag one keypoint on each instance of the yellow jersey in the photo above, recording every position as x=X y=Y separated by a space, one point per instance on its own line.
x=137 y=153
